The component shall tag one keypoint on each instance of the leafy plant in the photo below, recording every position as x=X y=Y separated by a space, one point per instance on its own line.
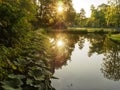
x=27 y=69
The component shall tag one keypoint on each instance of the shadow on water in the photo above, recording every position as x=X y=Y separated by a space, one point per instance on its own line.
x=99 y=45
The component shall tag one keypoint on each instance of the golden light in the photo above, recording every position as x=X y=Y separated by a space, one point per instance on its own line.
x=51 y=40
x=60 y=43
x=60 y=8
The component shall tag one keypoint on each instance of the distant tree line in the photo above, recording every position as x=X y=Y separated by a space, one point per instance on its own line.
x=105 y=15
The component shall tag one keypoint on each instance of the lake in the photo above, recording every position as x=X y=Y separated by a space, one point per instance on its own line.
x=85 y=62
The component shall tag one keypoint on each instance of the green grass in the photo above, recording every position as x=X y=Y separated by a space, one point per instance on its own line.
x=93 y=29
x=85 y=30
x=115 y=37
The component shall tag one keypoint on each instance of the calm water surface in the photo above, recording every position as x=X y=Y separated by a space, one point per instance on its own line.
x=85 y=62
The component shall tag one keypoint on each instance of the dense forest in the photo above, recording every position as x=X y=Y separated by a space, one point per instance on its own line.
x=24 y=52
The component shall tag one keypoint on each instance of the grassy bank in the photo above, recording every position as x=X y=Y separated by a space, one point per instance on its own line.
x=115 y=37
x=95 y=30
x=92 y=29
x=85 y=30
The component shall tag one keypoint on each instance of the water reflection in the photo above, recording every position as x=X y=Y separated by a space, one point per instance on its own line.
x=81 y=42
x=98 y=45
x=62 y=48
x=111 y=63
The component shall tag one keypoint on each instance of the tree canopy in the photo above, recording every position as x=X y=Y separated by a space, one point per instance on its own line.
x=105 y=15
x=48 y=14
x=15 y=20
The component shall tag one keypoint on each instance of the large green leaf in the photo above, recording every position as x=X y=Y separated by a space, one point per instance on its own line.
x=12 y=76
x=12 y=84
x=36 y=74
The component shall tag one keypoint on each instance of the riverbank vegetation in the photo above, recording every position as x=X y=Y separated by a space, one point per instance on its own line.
x=115 y=37
x=83 y=30
x=25 y=51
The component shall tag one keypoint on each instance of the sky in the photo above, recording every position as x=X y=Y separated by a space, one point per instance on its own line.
x=78 y=4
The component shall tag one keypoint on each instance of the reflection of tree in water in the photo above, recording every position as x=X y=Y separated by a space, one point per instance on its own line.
x=63 y=53
x=111 y=65
x=96 y=42
x=111 y=51
x=81 y=42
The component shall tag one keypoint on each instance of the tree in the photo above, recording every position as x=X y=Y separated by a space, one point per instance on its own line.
x=77 y=19
x=49 y=16
x=69 y=12
x=94 y=15
x=113 y=13
x=97 y=18
x=102 y=12
x=82 y=17
x=82 y=14
x=46 y=12
x=15 y=20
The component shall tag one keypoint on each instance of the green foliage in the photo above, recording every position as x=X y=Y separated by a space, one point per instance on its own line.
x=113 y=14
x=105 y=15
x=13 y=83
x=97 y=18
x=15 y=17
x=23 y=53
x=48 y=16
x=115 y=37
x=69 y=12
x=80 y=19
x=27 y=68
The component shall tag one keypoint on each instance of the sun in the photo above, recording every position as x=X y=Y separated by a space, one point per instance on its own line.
x=60 y=8
x=60 y=43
